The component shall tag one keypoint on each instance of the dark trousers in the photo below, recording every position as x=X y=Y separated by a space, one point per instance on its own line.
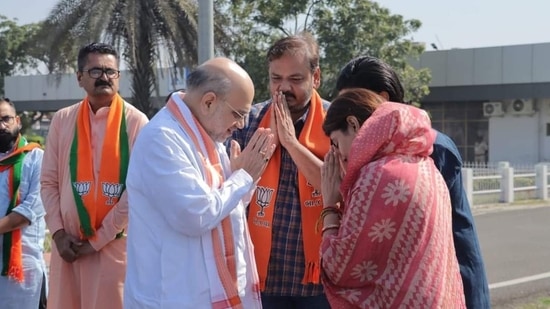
x=295 y=302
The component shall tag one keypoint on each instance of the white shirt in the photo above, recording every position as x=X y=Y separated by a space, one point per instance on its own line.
x=172 y=211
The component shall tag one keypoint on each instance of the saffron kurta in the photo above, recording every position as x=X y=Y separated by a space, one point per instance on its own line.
x=394 y=248
x=25 y=295
x=172 y=212
x=95 y=280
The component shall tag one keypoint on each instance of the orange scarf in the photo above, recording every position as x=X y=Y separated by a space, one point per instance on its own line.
x=225 y=254
x=262 y=205
x=113 y=167
x=12 y=248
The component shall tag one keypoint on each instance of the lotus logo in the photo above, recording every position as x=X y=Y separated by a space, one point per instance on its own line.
x=82 y=187
x=111 y=191
x=263 y=196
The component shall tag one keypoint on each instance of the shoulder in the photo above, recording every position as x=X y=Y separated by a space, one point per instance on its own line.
x=161 y=126
x=326 y=104
x=445 y=147
x=134 y=116
x=257 y=112
x=133 y=113
x=66 y=112
x=35 y=155
x=259 y=109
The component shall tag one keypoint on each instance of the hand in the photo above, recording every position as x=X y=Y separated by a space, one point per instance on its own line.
x=65 y=243
x=84 y=248
x=286 y=133
x=273 y=122
x=331 y=178
x=254 y=158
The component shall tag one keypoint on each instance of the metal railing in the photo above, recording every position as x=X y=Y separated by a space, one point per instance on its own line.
x=502 y=183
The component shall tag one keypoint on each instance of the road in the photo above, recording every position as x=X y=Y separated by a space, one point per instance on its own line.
x=516 y=249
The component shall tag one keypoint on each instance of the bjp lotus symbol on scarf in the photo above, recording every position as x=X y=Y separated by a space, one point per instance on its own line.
x=82 y=187
x=263 y=196
x=112 y=191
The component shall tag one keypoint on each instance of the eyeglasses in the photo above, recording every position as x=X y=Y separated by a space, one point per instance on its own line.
x=7 y=120
x=97 y=73
x=236 y=113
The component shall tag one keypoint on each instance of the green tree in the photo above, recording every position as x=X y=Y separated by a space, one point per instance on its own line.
x=344 y=29
x=15 y=48
x=145 y=31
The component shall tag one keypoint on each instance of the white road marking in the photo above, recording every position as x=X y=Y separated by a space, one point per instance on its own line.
x=519 y=281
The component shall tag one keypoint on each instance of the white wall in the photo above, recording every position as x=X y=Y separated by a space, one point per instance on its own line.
x=513 y=139
x=516 y=64
x=44 y=88
x=543 y=120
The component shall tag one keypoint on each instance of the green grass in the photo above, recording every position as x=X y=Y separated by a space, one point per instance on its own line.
x=541 y=303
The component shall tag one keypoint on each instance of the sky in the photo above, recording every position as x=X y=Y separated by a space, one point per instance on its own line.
x=447 y=24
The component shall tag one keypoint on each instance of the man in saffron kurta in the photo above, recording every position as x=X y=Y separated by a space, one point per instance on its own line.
x=83 y=187
x=188 y=242
x=22 y=225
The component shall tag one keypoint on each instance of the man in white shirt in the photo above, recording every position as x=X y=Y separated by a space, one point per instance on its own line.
x=188 y=241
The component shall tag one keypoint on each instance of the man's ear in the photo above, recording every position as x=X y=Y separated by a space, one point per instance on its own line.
x=317 y=78
x=79 y=77
x=208 y=101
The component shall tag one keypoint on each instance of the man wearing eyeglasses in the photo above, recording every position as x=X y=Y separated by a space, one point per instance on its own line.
x=188 y=243
x=83 y=186
x=22 y=226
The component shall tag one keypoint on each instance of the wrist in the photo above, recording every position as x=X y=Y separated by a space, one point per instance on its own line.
x=57 y=234
x=290 y=143
x=334 y=205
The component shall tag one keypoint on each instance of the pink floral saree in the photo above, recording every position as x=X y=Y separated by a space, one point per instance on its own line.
x=394 y=248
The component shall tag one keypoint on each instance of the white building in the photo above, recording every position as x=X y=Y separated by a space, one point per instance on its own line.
x=500 y=94
x=496 y=96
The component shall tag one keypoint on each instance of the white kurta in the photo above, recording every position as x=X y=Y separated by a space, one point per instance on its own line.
x=26 y=295
x=172 y=211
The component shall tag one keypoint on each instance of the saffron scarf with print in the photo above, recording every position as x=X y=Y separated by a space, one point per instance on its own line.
x=12 y=263
x=224 y=252
x=262 y=205
x=95 y=198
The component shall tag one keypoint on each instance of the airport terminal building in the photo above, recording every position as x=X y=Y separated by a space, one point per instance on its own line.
x=494 y=102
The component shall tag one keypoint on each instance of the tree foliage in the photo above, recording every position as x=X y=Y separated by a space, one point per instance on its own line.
x=144 y=31
x=15 y=46
x=344 y=29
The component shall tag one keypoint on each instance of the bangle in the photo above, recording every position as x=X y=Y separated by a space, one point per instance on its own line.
x=330 y=227
x=327 y=210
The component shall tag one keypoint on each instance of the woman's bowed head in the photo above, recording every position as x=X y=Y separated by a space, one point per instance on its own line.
x=387 y=209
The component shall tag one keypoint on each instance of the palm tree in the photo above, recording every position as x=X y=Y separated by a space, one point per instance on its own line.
x=140 y=29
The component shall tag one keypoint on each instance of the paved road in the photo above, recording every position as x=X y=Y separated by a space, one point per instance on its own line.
x=516 y=250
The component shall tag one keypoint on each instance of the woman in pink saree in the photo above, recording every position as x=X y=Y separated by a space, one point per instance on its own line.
x=387 y=239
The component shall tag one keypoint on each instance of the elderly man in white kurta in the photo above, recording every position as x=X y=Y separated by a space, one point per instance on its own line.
x=188 y=241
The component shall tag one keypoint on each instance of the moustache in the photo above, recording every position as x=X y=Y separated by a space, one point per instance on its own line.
x=99 y=83
x=289 y=95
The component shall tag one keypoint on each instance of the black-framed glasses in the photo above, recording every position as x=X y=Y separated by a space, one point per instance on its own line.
x=7 y=120
x=98 y=72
